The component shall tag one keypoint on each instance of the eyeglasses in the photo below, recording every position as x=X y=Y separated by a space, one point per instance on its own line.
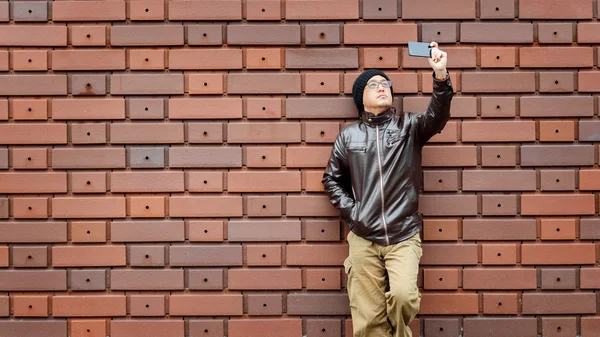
x=374 y=85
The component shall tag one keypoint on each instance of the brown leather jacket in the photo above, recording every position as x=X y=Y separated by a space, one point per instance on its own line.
x=374 y=172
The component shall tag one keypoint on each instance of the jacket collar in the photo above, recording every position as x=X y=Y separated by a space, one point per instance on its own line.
x=372 y=119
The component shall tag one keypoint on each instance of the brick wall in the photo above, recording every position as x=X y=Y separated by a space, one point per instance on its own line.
x=160 y=165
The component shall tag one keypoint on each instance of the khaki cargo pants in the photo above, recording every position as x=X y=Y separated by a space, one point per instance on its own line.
x=382 y=286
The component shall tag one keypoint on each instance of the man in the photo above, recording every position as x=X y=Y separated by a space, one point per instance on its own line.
x=373 y=177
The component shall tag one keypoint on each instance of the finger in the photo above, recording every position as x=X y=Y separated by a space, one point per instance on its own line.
x=433 y=44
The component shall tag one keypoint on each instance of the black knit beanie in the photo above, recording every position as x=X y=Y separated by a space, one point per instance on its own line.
x=359 y=87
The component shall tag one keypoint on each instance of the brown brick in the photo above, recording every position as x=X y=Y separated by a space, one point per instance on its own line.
x=34 y=328
x=587 y=32
x=330 y=10
x=204 y=84
x=146 y=255
x=281 y=181
x=264 y=279
x=559 y=303
x=89 y=108
x=147 y=305
x=375 y=33
x=146 y=59
x=29 y=208
x=590 y=326
x=452 y=304
x=33 y=280
x=446 y=156
x=88 y=306
x=78 y=35
x=440 y=32
x=555 y=9
x=42 y=182
x=88 y=158
x=324 y=327
x=30 y=158
x=589 y=179
x=557 y=180
x=557 y=131
x=319 y=107
x=272 y=83
x=263 y=34
x=499 y=204
x=88 y=133
x=499 y=229
x=123 y=279
x=322 y=58
x=87 y=279
x=205 y=108
x=557 y=253
x=590 y=278
x=556 y=106
x=33 y=231
x=88 y=11
x=267 y=206
x=498 y=254
x=205 y=255
x=509 y=131
x=499 y=278
x=322 y=34
x=146 y=133
x=449 y=254
x=205 y=156
x=557 y=204
x=316 y=255
x=263 y=10
x=440 y=180
x=496 y=32
x=264 y=304
x=263 y=58
x=263 y=230
x=100 y=207
x=205 y=35
x=499 y=180
x=558 y=278
x=263 y=255
x=441 y=278
x=146 y=84
x=455 y=9
x=589 y=228
x=263 y=108
x=205 y=279
x=146 y=10
x=146 y=35
x=33 y=35
x=29 y=256
x=87 y=327
x=31 y=133
x=30 y=306
x=264 y=132
x=88 y=255
x=147 y=231
x=88 y=231
x=147 y=328
x=320 y=132
x=267 y=327
x=307 y=156
x=559 y=325
x=557 y=155
x=309 y=205
x=493 y=82
x=214 y=10
x=208 y=327
x=204 y=181
x=440 y=229
x=311 y=180
x=500 y=303
x=321 y=230
x=555 y=32
x=557 y=81
x=498 y=57
x=205 y=133
x=29 y=60
x=321 y=83
x=213 y=305
x=4 y=263
x=448 y=205
x=312 y=304
x=158 y=181
x=500 y=326
x=442 y=327
x=588 y=130
x=322 y=279
x=88 y=59
x=556 y=57
x=205 y=206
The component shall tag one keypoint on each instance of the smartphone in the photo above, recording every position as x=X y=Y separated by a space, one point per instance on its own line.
x=419 y=49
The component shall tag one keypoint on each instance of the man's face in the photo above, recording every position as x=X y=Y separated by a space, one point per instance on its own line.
x=377 y=96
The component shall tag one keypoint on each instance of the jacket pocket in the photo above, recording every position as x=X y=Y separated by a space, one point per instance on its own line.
x=357 y=147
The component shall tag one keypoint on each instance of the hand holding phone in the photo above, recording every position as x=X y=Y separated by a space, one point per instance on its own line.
x=419 y=49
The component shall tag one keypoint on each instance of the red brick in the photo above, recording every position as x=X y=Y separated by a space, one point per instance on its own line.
x=557 y=180
x=272 y=83
x=590 y=326
x=557 y=204
x=201 y=108
x=316 y=255
x=264 y=304
x=263 y=58
x=321 y=83
x=263 y=34
x=89 y=108
x=31 y=133
x=329 y=10
x=158 y=181
x=205 y=35
x=499 y=254
x=557 y=253
x=88 y=306
x=4 y=16
x=462 y=106
x=123 y=279
x=373 y=33
x=557 y=131
x=78 y=35
x=322 y=279
x=146 y=10
x=499 y=278
x=500 y=303
x=146 y=59
x=312 y=304
x=448 y=205
x=440 y=180
x=88 y=11
x=88 y=231
x=4 y=263
x=205 y=206
x=433 y=9
x=81 y=256
x=264 y=327
x=499 y=205
x=589 y=179
x=204 y=181
x=556 y=106
x=264 y=132
x=146 y=133
x=441 y=32
x=88 y=59
x=147 y=305
x=499 y=229
x=147 y=328
x=264 y=230
x=322 y=34
x=559 y=303
x=322 y=58
x=509 y=131
x=263 y=255
x=557 y=229
x=449 y=254
x=498 y=57
x=555 y=32
x=146 y=84
x=39 y=182
x=559 y=326
x=30 y=158
x=309 y=205
x=440 y=229
x=587 y=32
x=588 y=81
x=263 y=10
x=204 y=84
x=499 y=180
x=264 y=181
x=311 y=181
x=557 y=81
x=147 y=35
x=88 y=133
x=213 y=305
x=441 y=278
x=495 y=82
x=205 y=156
x=449 y=304
x=320 y=107
x=497 y=326
x=146 y=207
x=307 y=156
x=33 y=231
x=460 y=155
x=588 y=130
x=263 y=108
x=29 y=60
x=29 y=208
x=205 y=133
x=590 y=278
x=264 y=279
x=497 y=32
x=495 y=9
x=100 y=207
x=33 y=35
x=30 y=306
x=199 y=10
x=556 y=57
x=555 y=9
x=263 y=206
x=4 y=109
x=205 y=231
x=379 y=57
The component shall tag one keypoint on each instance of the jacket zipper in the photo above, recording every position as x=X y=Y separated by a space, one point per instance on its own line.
x=387 y=239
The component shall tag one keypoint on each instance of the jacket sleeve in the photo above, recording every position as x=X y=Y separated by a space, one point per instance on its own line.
x=336 y=179
x=434 y=119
